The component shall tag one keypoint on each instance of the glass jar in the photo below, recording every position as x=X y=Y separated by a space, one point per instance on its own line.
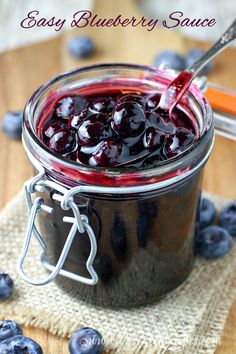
x=115 y=236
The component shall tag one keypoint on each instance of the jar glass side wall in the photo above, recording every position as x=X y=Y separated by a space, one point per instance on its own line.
x=145 y=244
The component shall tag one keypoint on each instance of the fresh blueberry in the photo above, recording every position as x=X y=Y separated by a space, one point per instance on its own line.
x=207 y=213
x=20 y=345
x=170 y=59
x=9 y=329
x=81 y=46
x=213 y=242
x=12 y=124
x=193 y=55
x=227 y=218
x=86 y=341
x=6 y=286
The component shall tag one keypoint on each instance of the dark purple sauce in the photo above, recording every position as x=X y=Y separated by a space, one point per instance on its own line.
x=115 y=128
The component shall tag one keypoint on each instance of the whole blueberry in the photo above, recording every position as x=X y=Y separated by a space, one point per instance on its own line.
x=12 y=124
x=193 y=55
x=170 y=59
x=20 y=345
x=9 y=329
x=81 y=46
x=207 y=213
x=227 y=218
x=213 y=242
x=6 y=286
x=86 y=341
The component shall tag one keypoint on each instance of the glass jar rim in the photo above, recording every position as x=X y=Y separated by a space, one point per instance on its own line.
x=115 y=172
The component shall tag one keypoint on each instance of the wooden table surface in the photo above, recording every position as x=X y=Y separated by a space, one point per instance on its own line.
x=24 y=69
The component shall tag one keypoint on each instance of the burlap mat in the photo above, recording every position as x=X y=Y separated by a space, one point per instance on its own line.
x=189 y=320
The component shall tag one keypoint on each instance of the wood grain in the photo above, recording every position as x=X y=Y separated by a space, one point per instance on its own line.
x=24 y=69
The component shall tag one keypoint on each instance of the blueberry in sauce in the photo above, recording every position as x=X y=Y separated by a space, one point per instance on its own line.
x=152 y=102
x=142 y=226
x=153 y=138
x=107 y=154
x=102 y=105
x=155 y=120
x=128 y=119
x=93 y=129
x=115 y=129
x=119 y=237
x=63 y=141
x=52 y=127
x=68 y=106
x=103 y=267
x=178 y=142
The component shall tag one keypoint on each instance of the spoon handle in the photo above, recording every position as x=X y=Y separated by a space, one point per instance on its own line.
x=227 y=37
x=176 y=89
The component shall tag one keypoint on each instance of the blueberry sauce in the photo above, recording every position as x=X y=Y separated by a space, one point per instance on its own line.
x=113 y=128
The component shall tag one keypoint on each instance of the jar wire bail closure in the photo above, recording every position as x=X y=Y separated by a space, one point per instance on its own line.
x=79 y=223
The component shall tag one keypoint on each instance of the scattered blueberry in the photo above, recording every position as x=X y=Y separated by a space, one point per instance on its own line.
x=227 y=218
x=20 y=345
x=81 y=46
x=12 y=124
x=207 y=213
x=170 y=59
x=86 y=341
x=6 y=286
x=193 y=55
x=9 y=329
x=213 y=242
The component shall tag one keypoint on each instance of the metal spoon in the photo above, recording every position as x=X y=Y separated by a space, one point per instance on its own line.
x=174 y=92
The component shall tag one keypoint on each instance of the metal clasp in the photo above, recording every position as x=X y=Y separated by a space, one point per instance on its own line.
x=79 y=223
